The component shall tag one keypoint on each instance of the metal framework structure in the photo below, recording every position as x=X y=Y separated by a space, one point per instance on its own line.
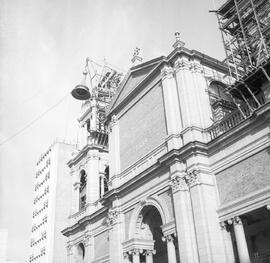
x=103 y=81
x=245 y=28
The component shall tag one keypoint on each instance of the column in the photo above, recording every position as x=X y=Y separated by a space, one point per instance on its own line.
x=126 y=257
x=241 y=242
x=172 y=107
x=135 y=256
x=227 y=241
x=170 y=248
x=187 y=244
x=149 y=256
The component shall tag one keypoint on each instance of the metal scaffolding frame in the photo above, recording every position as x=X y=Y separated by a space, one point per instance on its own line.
x=245 y=27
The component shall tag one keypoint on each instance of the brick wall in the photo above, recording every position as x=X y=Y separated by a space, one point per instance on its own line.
x=244 y=177
x=142 y=128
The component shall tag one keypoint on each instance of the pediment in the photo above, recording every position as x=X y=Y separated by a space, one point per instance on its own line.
x=134 y=77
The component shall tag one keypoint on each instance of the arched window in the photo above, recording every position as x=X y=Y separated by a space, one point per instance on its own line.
x=221 y=102
x=79 y=253
x=106 y=180
x=217 y=91
x=83 y=182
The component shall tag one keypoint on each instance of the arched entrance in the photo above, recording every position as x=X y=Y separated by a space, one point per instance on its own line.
x=79 y=253
x=149 y=228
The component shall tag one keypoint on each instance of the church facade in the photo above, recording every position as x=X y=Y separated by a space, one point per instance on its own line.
x=183 y=174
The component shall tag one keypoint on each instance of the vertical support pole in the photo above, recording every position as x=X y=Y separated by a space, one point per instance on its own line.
x=135 y=256
x=126 y=257
x=243 y=31
x=170 y=248
x=253 y=96
x=241 y=242
x=227 y=241
x=149 y=256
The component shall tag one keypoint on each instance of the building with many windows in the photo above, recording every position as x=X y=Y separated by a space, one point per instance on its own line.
x=51 y=204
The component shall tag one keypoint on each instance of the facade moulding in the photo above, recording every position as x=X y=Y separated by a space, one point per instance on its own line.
x=244 y=205
x=113 y=217
x=103 y=259
x=175 y=54
x=83 y=222
x=83 y=153
x=135 y=95
x=241 y=154
x=184 y=152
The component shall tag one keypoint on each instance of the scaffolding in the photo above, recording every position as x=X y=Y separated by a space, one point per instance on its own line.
x=245 y=28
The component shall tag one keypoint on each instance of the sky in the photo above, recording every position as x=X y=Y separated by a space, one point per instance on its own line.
x=43 y=46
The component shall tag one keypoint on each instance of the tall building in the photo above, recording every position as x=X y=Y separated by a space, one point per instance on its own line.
x=3 y=244
x=187 y=165
x=51 y=204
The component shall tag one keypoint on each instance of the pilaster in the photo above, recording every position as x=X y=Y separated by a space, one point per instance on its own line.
x=204 y=203
x=187 y=243
x=92 y=189
x=114 y=222
x=172 y=107
x=194 y=103
x=114 y=151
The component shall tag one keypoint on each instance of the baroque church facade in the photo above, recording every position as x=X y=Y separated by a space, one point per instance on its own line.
x=174 y=172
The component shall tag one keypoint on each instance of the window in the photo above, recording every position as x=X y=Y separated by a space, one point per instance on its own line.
x=221 y=102
x=83 y=183
x=106 y=180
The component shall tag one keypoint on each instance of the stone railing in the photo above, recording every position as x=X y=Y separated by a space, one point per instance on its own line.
x=80 y=214
x=235 y=117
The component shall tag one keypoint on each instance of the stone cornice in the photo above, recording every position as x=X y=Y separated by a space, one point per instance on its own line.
x=83 y=153
x=83 y=222
x=171 y=58
x=245 y=204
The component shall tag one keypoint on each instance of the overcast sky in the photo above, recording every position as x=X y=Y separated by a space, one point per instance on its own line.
x=43 y=46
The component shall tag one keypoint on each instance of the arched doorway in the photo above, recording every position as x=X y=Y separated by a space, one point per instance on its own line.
x=79 y=253
x=149 y=227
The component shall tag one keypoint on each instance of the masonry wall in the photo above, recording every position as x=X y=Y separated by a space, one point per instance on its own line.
x=142 y=128
x=101 y=244
x=245 y=177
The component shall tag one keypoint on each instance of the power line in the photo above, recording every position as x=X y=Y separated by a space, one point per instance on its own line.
x=34 y=121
